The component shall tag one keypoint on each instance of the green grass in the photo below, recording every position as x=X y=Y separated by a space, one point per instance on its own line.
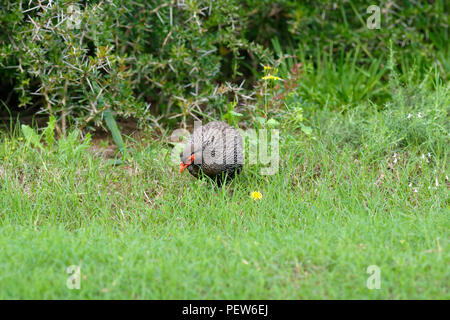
x=368 y=187
x=339 y=203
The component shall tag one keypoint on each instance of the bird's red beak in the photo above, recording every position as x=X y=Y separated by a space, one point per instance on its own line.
x=185 y=165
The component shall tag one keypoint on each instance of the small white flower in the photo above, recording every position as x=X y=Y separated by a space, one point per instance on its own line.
x=395 y=157
x=409 y=116
x=419 y=115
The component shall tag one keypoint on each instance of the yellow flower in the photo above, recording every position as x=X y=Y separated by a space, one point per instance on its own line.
x=271 y=77
x=267 y=67
x=256 y=195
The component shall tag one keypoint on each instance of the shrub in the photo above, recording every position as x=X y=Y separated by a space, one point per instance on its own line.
x=77 y=60
x=171 y=60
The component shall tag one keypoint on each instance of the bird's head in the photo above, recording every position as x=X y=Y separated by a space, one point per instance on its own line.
x=190 y=158
x=189 y=161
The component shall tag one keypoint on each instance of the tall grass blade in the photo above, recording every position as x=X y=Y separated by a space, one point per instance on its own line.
x=117 y=136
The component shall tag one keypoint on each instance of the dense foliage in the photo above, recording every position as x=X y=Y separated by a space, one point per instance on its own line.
x=169 y=60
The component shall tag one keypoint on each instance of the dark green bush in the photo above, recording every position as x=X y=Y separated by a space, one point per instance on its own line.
x=174 y=59
x=124 y=55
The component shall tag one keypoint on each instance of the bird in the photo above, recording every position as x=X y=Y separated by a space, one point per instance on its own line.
x=215 y=150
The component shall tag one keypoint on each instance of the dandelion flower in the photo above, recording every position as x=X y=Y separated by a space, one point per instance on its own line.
x=256 y=195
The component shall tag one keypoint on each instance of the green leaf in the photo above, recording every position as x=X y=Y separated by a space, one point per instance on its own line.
x=49 y=132
x=32 y=137
x=261 y=120
x=112 y=126
x=272 y=123
x=236 y=114
x=307 y=130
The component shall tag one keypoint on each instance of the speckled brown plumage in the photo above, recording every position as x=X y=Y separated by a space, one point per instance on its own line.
x=217 y=149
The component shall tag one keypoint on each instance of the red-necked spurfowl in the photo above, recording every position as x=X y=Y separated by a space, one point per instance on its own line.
x=216 y=150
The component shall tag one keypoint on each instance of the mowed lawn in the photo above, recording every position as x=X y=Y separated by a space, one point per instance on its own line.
x=143 y=231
